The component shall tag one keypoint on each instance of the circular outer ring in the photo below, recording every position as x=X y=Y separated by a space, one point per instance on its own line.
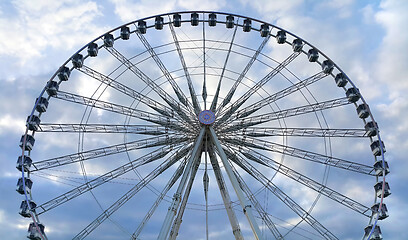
x=27 y=197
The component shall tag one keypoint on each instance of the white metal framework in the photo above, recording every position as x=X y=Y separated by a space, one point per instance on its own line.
x=129 y=125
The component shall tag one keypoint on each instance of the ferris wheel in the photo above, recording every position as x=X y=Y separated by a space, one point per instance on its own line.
x=201 y=125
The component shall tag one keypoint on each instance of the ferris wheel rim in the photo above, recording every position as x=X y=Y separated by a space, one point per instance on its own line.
x=28 y=196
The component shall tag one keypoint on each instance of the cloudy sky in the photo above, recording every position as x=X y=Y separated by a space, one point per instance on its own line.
x=367 y=39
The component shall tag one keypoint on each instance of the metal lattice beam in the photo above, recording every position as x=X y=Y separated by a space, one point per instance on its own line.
x=158 y=107
x=179 y=93
x=299 y=132
x=179 y=109
x=306 y=181
x=227 y=113
x=288 y=201
x=262 y=213
x=245 y=206
x=217 y=93
x=302 y=154
x=104 y=128
x=193 y=95
x=109 y=150
x=231 y=92
x=171 y=213
x=160 y=197
x=126 y=197
x=276 y=96
x=116 y=108
x=267 y=117
x=75 y=192
x=236 y=230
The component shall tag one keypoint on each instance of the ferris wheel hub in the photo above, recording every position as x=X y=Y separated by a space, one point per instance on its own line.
x=206 y=117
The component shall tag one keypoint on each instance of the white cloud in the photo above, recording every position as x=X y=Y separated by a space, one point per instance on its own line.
x=128 y=10
x=343 y=8
x=201 y=4
x=41 y=25
x=8 y=124
x=276 y=9
x=392 y=62
x=368 y=13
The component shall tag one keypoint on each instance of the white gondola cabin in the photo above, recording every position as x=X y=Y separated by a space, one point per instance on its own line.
x=23 y=163
x=29 y=142
x=158 y=23
x=125 y=33
x=378 y=187
x=379 y=168
x=20 y=186
x=93 y=49
x=341 y=80
x=108 y=40
x=363 y=111
x=33 y=123
x=78 y=60
x=313 y=55
x=383 y=214
x=64 y=73
x=212 y=19
x=371 y=129
x=25 y=210
x=327 y=66
x=376 y=148
x=229 y=21
x=281 y=37
x=247 y=25
x=353 y=94
x=141 y=26
x=52 y=88
x=264 y=30
x=194 y=19
x=376 y=235
x=177 y=20
x=297 y=45
x=33 y=232
x=42 y=104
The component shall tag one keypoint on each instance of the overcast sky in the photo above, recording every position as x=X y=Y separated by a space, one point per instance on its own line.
x=367 y=39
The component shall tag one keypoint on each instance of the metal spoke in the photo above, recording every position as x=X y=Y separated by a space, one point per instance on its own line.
x=177 y=222
x=193 y=95
x=215 y=100
x=106 y=151
x=300 y=132
x=236 y=230
x=274 y=97
x=163 y=193
x=112 y=107
x=204 y=92
x=158 y=107
x=306 y=181
x=63 y=198
x=227 y=114
x=262 y=213
x=164 y=231
x=180 y=95
x=179 y=109
x=231 y=92
x=104 y=128
x=288 y=201
x=267 y=117
x=126 y=197
x=302 y=154
x=245 y=206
